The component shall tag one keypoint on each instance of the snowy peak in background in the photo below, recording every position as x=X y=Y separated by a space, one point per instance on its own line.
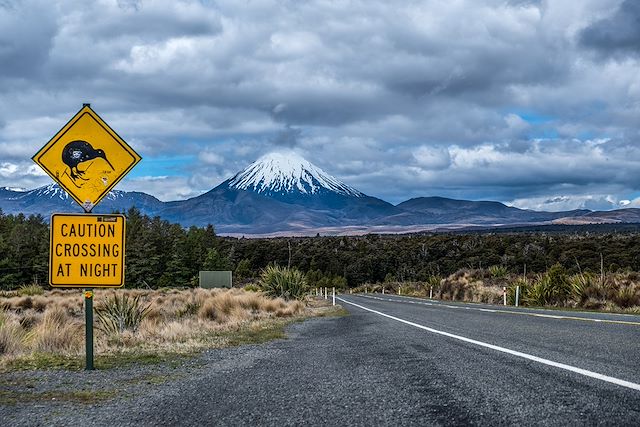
x=51 y=191
x=55 y=191
x=286 y=173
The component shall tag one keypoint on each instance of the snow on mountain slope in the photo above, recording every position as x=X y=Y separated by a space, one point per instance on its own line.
x=282 y=173
x=54 y=191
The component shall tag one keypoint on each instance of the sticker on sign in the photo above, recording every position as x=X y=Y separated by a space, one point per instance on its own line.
x=87 y=250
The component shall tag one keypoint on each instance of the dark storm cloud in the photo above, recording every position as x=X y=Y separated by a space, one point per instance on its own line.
x=25 y=39
x=288 y=137
x=618 y=34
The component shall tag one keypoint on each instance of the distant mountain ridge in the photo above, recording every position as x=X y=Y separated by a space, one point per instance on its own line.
x=284 y=194
x=51 y=198
x=442 y=209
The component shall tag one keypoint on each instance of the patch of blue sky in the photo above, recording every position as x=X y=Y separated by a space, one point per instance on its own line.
x=541 y=125
x=164 y=166
x=543 y=133
x=586 y=135
x=531 y=117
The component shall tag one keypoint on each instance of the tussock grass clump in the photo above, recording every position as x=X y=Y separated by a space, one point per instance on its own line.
x=283 y=282
x=120 y=313
x=627 y=297
x=469 y=285
x=498 y=271
x=24 y=303
x=11 y=333
x=30 y=290
x=580 y=286
x=218 y=308
x=57 y=333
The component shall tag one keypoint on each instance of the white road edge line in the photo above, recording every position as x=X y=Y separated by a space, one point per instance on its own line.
x=548 y=362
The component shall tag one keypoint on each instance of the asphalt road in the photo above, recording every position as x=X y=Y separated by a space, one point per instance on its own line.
x=394 y=366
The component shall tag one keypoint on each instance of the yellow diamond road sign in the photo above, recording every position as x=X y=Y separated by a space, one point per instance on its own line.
x=87 y=158
x=87 y=250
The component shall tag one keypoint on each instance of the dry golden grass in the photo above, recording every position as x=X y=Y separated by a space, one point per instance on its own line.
x=56 y=332
x=177 y=320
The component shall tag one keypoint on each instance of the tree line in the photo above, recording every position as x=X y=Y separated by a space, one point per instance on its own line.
x=162 y=254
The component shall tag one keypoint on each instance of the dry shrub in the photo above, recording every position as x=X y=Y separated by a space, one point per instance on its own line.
x=627 y=297
x=173 y=331
x=24 y=303
x=11 y=334
x=57 y=332
x=593 y=304
x=155 y=312
x=457 y=286
x=489 y=295
x=184 y=304
x=40 y=303
x=292 y=309
x=235 y=306
x=59 y=292
x=274 y=305
x=251 y=301
x=29 y=320
x=217 y=308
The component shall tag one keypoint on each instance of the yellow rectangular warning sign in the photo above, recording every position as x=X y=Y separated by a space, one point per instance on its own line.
x=87 y=250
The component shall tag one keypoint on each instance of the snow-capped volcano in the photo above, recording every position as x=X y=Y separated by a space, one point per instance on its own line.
x=285 y=173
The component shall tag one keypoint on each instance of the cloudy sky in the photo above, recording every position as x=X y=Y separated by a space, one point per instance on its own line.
x=533 y=103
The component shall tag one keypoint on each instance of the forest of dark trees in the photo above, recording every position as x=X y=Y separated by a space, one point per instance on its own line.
x=161 y=254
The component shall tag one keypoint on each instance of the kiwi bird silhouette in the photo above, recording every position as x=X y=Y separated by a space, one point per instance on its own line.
x=77 y=152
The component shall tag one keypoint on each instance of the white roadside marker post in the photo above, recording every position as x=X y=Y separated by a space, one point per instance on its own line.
x=431 y=292
x=517 y=295
x=334 y=296
x=382 y=291
x=504 y=294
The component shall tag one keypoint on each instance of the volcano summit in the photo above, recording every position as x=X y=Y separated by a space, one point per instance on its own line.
x=279 y=174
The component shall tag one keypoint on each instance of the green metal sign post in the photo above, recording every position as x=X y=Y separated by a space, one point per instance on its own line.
x=88 y=316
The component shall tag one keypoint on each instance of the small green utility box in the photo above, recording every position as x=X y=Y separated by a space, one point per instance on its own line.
x=215 y=279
